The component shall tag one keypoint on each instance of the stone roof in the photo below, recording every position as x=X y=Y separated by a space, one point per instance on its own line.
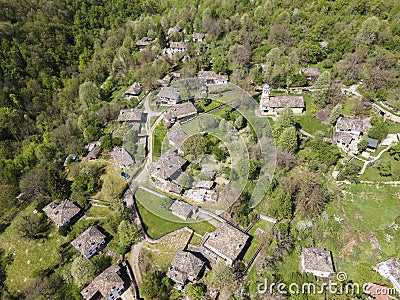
x=390 y=269
x=169 y=93
x=130 y=115
x=184 y=266
x=317 y=259
x=283 y=101
x=171 y=187
x=227 y=241
x=89 y=239
x=353 y=124
x=182 y=209
x=176 y=135
x=211 y=75
x=167 y=165
x=311 y=72
x=122 y=157
x=94 y=152
x=198 y=36
x=61 y=213
x=196 y=194
x=105 y=284
x=180 y=111
x=342 y=137
x=174 y=29
x=204 y=184
x=165 y=80
x=182 y=45
x=135 y=89
x=144 y=41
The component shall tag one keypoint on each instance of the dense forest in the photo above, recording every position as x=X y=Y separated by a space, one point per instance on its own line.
x=63 y=64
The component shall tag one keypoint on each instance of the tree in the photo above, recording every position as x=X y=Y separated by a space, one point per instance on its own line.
x=334 y=114
x=186 y=181
x=394 y=151
x=195 y=145
x=33 y=226
x=379 y=130
x=240 y=122
x=197 y=291
x=288 y=140
x=284 y=120
x=127 y=235
x=368 y=33
x=222 y=279
x=281 y=205
x=162 y=41
x=361 y=146
x=89 y=93
x=82 y=271
x=155 y=285
x=321 y=92
x=220 y=65
x=220 y=153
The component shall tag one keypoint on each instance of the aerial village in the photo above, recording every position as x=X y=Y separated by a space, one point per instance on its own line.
x=159 y=183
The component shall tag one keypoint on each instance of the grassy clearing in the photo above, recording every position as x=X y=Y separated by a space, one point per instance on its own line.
x=162 y=253
x=257 y=240
x=195 y=240
x=393 y=127
x=367 y=211
x=159 y=135
x=164 y=222
x=113 y=184
x=30 y=257
x=308 y=120
x=372 y=174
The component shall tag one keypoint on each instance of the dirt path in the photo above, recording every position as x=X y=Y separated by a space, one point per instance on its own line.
x=135 y=262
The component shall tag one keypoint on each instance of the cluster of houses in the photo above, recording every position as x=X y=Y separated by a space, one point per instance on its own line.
x=227 y=243
x=109 y=284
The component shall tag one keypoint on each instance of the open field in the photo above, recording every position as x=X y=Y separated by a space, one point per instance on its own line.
x=159 y=135
x=372 y=174
x=157 y=226
x=257 y=240
x=162 y=253
x=367 y=212
x=30 y=257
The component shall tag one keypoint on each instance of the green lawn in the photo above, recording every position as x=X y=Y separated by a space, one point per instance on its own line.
x=308 y=121
x=371 y=173
x=367 y=210
x=30 y=257
x=393 y=127
x=164 y=222
x=159 y=135
x=256 y=241
x=153 y=120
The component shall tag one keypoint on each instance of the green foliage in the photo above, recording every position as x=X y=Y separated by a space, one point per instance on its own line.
x=363 y=145
x=195 y=145
x=334 y=114
x=284 y=120
x=394 y=151
x=196 y=291
x=379 y=129
x=82 y=271
x=220 y=153
x=127 y=234
x=281 y=205
x=33 y=226
x=349 y=172
x=88 y=181
x=288 y=140
x=222 y=278
x=384 y=168
x=155 y=285
x=321 y=92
